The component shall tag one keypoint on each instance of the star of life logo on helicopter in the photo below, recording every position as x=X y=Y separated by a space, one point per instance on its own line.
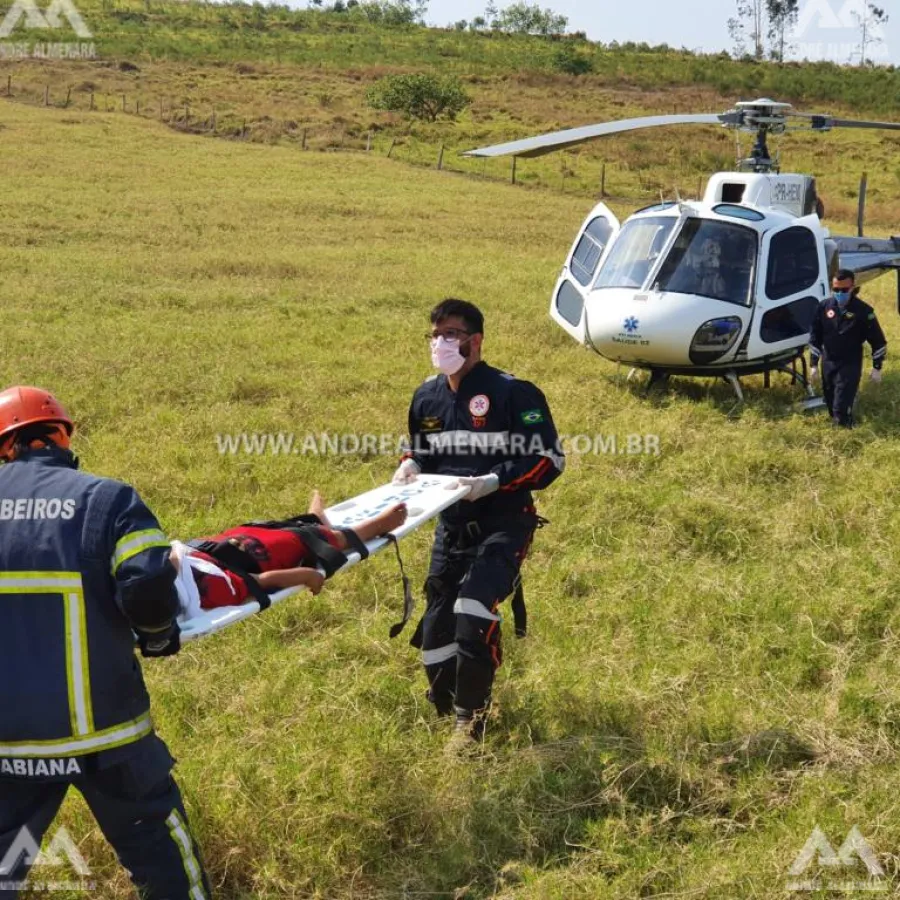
x=830 y=30
x=854 y=868
x=25 y=15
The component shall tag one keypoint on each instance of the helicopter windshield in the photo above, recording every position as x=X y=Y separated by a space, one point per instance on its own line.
x=635 y=252
x=711 y=259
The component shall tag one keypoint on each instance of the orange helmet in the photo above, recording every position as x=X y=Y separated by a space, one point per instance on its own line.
x=24 y=406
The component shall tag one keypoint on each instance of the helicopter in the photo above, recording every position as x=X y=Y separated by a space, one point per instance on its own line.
x=725 y=286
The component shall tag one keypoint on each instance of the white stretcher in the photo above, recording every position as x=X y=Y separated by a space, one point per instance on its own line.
x=425 y=498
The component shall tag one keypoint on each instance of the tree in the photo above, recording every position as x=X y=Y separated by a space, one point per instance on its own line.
x=394 y=12
x=782 y=18
x=419 y=96
x=868 y=22
x=524 y=18
x=748 y=25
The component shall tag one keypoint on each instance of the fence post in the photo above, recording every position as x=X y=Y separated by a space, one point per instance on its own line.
x=391 y=148
x=68 y=97
x=244 y=129
x=187 y=114
x=303 y=140
x=213 y=121
x=160 y=109
x=441 y=158
x=368 y=141
x=9 y=85
x=47 y=95
x=137 y=107
x=124 y=103
x=603 y=182
x=513 y=176
x=92 y=102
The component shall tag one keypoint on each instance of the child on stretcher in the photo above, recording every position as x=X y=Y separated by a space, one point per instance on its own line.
x=275 y=557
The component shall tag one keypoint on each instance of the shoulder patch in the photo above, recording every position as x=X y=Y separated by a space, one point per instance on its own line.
x=532 y=417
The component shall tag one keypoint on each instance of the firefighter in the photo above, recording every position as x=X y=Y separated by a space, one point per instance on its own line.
x=841 y=325
x=84 y=566
x=497 y=433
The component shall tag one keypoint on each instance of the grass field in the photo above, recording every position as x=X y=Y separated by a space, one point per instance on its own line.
x=711 y=670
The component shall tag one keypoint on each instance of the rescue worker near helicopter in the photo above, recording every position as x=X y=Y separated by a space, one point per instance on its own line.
x=83 y=567
x=841 y=325
x=497 y=433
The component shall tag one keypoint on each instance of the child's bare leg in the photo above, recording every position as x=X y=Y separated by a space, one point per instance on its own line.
x=317 y=508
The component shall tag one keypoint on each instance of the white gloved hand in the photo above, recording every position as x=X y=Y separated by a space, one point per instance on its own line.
x=814 y=373
x=407 y=472
x=876 y=376
x=481 y=486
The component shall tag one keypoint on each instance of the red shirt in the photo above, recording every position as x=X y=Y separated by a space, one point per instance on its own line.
x=272 y=548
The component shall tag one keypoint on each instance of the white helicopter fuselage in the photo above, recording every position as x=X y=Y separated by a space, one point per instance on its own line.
x=730 y=282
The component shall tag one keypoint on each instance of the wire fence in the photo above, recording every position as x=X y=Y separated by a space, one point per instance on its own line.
x=571 y=173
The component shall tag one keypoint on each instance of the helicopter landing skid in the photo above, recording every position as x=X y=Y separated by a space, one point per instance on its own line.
x=811 y=402
x=732 y=378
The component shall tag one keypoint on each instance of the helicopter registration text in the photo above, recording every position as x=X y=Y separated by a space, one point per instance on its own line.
x=786 y=192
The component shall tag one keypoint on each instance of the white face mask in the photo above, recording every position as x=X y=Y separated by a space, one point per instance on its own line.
x=445 y=356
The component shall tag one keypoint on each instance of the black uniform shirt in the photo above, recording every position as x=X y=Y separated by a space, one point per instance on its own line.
x=839 y=335
x=496 y=424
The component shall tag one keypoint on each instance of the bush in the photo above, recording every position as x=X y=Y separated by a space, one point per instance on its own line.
x=419 y=96
x=568 y=60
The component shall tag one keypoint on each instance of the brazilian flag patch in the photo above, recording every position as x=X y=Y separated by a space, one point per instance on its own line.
x=532 y=417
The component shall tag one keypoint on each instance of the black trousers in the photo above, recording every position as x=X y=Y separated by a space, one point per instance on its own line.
x=840 y=383
x=473 y=569
x=139 y=810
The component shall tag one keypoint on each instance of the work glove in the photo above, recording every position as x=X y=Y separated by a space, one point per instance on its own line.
x=481 y=486
x=814 y=373
x=160 y=643
x=407 y=472
x=876 y=376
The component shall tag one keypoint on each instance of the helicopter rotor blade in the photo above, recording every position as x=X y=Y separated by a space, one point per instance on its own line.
x=559 y=140
x=826 y=123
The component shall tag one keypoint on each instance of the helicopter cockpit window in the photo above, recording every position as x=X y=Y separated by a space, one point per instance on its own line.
x=635 y=252
x=589 y=250
x=793 y=263
x=711 y=259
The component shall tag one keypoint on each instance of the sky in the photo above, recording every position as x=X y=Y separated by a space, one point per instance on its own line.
x=826 y=27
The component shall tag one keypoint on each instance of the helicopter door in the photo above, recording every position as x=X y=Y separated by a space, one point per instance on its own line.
x=792 y=279
x=573 y=286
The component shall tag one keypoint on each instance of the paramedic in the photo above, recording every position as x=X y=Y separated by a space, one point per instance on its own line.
x=841 y=325
x=495 y=431
x=83 y=567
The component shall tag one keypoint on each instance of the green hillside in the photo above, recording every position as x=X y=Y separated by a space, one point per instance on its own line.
x=279 y=76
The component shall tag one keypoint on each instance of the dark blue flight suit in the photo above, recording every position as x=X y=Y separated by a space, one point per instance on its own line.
x=838 y=337
x=494 y=424
x=82 y=560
